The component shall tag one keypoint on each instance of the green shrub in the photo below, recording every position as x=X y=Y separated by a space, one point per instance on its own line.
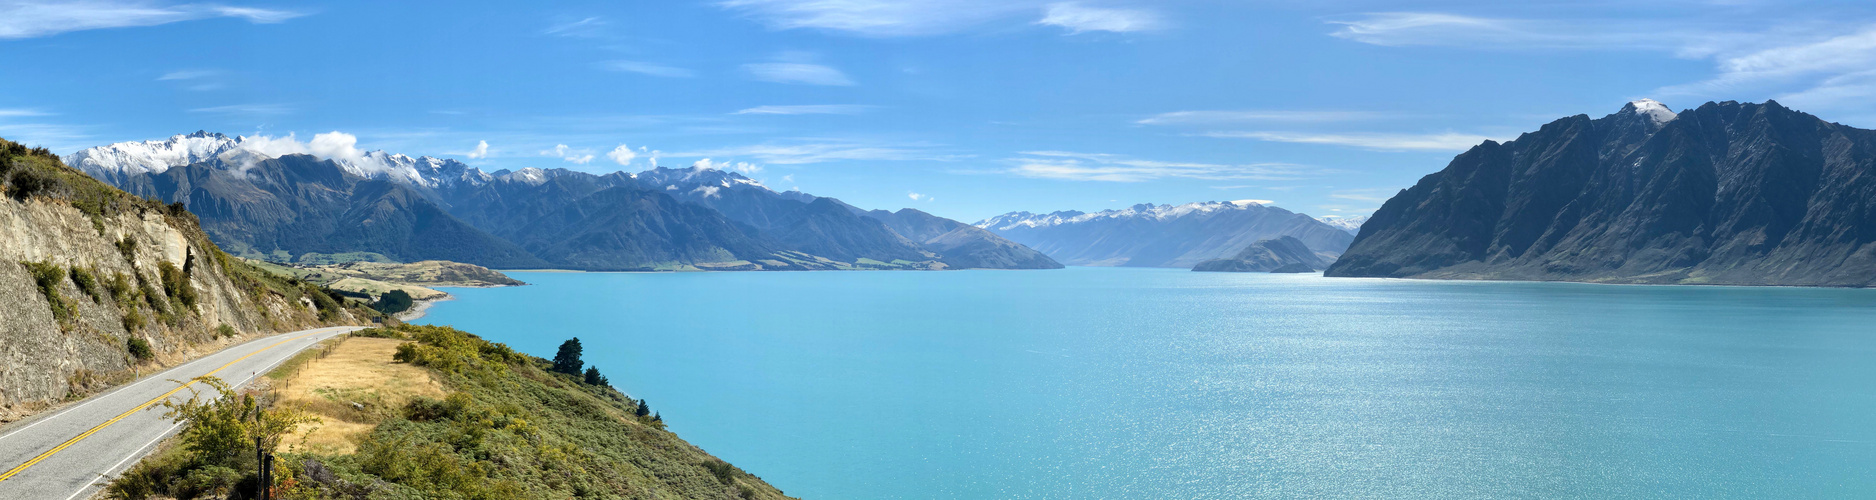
x=393 y=302
x=225 y=331
x=119 y=286
x=128 y=248
x=177 y=284
x=87 y=283
x=48 y=276
x=139 y=348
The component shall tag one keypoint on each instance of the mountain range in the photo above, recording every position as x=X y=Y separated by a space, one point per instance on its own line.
x=1278 y=255
x=1726 y=193
x=1149 y=235
x=259 y=199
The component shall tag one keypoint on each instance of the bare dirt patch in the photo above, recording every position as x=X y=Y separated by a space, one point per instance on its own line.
x=351 y=389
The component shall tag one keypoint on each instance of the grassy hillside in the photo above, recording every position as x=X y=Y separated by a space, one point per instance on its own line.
x=507 y=428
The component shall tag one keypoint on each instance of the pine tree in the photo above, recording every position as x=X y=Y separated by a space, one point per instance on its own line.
x=594 y=378
x=643 y=408
x=568 y=359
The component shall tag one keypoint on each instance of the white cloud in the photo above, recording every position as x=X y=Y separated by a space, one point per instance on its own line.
x=1440 y=29
x=586 y=26
x=570 y=155
x=1834 y=70
x=622 y=155
x=1116 y=168
x=878 y=18
x=1373 y=195
x=38 y=18
x=481 y=150
x=1448 y=141
x=744 y=168
x=819 y=152
x=645 y=68
x=807 y=109
x=1078 y=18
x=187 y=74
x=7 y=113
x=914 y=196
x=798 y=73
x=1206 y=117
x=247 y=109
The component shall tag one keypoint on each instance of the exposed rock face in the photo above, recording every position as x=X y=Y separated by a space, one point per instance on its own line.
x=1728 y=193
x=1286 y=254
x=176 y=288
x=1148 y=235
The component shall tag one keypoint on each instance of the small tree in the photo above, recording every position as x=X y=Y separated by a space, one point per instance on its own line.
x=643 y=408
x=393 y=302
x=568 y=359
x=594 y=378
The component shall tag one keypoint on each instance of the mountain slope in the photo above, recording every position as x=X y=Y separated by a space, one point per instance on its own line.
x=960 y=245
x=1728 y=193
x=1268 y=256
x=297 y=204
x=1162 y=235
x=410 y=209
x=89 y=273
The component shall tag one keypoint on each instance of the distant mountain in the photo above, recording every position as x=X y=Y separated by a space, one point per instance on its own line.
x=962 y=245
x=1727 y=193
x=298 y=204
x=1350 y=224
x=1163 y=235
x=428 y=208
x=1283 y=254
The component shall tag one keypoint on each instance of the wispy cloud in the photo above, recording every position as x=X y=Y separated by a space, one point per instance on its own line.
x=820 y=151
x=1449 y=141
x=1452 y=30
x=570 y=154
x=645 y=68
x=1211 y=117
x=38 y=18
x=1834 y=70
x=7 y=113
x=1371 y=195
x=187 y=74
x=1078 y=18
x=582 y=27
x=808 y=109
x=247 y=109
x=877 y=18
x=797 y=73
x=1805 y=63
x=1065 y=165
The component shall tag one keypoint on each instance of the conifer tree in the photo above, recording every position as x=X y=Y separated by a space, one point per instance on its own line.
x=568 y=359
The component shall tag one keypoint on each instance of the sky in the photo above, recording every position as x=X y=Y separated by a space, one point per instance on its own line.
x=961 y=108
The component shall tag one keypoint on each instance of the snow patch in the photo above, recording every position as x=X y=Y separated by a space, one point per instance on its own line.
x=1654 y=110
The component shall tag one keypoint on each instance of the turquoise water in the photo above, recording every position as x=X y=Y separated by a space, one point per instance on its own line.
x=1148 y=383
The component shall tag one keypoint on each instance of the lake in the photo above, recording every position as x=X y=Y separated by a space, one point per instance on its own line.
x=1156 y=383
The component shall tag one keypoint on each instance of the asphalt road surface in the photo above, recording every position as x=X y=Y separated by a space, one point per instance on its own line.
x=69 y=453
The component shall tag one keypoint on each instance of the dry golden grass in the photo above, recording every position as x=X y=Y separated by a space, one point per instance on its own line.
x=351 y=389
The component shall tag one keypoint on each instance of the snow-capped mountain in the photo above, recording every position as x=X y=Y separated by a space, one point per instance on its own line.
x=280 y=197
x=1014 y=220
x=1653 y=110
x=1149 y=235
x=1352 y=224
x=113 y=162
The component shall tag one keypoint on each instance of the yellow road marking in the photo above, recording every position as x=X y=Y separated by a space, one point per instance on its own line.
x=94 y=430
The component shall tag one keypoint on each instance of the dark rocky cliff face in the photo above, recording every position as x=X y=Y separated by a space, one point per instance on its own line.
x=1728 y=193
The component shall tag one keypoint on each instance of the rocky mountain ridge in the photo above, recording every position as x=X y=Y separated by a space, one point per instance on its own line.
x=95 y=283
x=408 y=209
x=1726 y=193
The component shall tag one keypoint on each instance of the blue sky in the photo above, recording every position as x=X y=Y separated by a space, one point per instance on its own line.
x=963 y=108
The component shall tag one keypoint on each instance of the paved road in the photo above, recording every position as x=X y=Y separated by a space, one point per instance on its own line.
x=66 y=454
